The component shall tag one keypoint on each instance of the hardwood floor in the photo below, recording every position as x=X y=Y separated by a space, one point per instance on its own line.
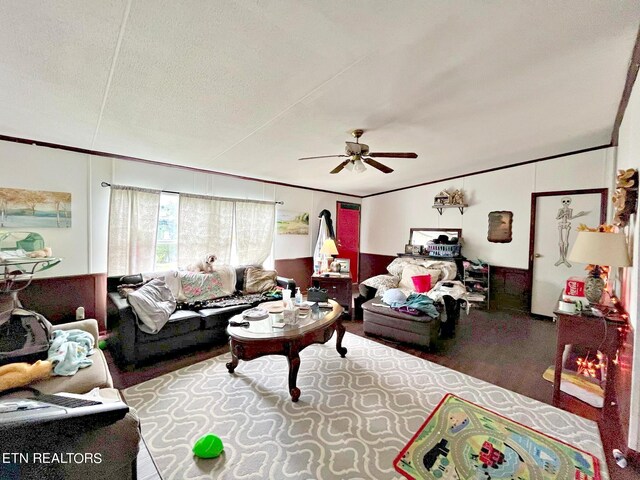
x=511 y=350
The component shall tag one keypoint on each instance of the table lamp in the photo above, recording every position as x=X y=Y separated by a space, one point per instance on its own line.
x=599 y=248
x=328 y=249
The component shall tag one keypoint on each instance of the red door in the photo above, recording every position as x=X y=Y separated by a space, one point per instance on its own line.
x=348 y=234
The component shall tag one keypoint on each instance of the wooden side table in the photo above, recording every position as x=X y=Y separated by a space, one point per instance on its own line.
x=600 y=333
x=339 y=289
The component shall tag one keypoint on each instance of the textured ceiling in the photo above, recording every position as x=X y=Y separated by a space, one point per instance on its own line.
x=247 y=87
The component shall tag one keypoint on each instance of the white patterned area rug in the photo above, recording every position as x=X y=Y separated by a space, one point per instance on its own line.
x=353 y=417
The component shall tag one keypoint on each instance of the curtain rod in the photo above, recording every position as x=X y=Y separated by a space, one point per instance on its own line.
x=105 y=184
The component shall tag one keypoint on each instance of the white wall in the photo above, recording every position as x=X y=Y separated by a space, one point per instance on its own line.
x=386 y=219
x=83 y=247
x=35 y=168
x=628 y=156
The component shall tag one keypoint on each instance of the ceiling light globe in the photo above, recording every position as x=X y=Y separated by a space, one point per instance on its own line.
x=359 y=166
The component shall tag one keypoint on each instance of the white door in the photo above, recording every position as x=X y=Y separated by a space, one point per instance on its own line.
x=557 y=220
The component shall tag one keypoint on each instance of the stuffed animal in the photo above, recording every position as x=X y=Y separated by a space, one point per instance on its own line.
x=204 y=266
x=44 y=253
x=20 y=374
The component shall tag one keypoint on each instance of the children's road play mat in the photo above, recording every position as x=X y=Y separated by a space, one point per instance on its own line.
x=461 y=440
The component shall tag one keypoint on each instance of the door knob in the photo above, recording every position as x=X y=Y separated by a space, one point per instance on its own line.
x=537 y=255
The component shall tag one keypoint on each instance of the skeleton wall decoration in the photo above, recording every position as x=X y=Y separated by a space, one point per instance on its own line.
x=564 y=217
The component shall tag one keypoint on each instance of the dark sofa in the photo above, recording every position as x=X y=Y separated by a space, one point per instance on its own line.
x=185 y=329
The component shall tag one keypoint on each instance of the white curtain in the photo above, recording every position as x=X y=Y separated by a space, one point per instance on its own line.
x=133 y=226
x=323 y=234
x=205 y=226
x=255 y=222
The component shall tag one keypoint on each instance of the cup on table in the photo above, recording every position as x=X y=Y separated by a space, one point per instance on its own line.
x=286 y=297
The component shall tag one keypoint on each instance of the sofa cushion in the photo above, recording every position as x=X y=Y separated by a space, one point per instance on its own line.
x=131 y=279
x=152 y=303
x=258 y=280
x=218 y=318
x=97 y=375
x=389 y=313
x=181 y=322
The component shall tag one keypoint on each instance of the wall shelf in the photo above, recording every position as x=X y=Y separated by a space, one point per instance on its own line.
x=440 y=208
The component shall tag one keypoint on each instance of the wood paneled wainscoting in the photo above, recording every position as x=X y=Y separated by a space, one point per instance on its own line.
x=372 y=264
x=510 y=289
x=300 y=269
x=58 y=297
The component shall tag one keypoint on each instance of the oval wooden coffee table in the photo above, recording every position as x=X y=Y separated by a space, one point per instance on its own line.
x=260 y=338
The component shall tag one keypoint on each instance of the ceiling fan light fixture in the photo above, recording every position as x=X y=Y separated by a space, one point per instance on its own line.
x=358 y=166
x=349 y=166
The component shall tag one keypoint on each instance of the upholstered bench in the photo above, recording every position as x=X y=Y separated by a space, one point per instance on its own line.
x=399 y=327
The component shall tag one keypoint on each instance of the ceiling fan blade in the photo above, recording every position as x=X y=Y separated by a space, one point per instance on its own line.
x=378 y=165
x=324 y=156
x=393 y=155
x=340 y=167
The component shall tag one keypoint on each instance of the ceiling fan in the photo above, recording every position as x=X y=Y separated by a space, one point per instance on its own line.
x=357 y=154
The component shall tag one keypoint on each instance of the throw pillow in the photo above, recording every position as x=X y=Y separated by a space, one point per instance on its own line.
x=381 y=283
x=153 y=304
x=448 y=270
x=398 y=264
x=258 y=280
x=197 y=287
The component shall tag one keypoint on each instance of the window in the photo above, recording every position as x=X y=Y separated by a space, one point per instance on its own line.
x=167 y=240
x=153 y=230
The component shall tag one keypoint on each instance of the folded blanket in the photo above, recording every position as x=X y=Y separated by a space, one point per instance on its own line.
x=68 y=351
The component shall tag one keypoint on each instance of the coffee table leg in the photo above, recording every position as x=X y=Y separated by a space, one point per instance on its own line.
x=340 y=333
x=231 y=366
x=294 y=365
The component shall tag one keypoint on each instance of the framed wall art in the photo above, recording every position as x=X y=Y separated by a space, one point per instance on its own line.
x=21 y=208
x=500 y=226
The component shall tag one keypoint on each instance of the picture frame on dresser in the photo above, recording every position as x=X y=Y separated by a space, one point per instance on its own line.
x=345 y=264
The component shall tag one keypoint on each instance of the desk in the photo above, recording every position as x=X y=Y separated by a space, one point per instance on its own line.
x=600 y=333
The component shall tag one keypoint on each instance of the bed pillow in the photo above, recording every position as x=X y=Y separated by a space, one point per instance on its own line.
x=258 y=280
x=152 y=303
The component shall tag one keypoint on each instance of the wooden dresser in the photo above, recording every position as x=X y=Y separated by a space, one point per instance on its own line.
x=339 y=289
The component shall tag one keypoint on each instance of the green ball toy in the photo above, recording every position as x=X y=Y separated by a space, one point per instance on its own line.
x=208 y=446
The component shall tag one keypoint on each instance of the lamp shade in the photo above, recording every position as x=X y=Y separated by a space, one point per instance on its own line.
x=600 y=248
x=329 y=247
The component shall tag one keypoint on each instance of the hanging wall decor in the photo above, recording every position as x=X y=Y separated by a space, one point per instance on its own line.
x=625 y=197
x=500 y=226
x=292 y=223
x=34 y=208
x=564 y=217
